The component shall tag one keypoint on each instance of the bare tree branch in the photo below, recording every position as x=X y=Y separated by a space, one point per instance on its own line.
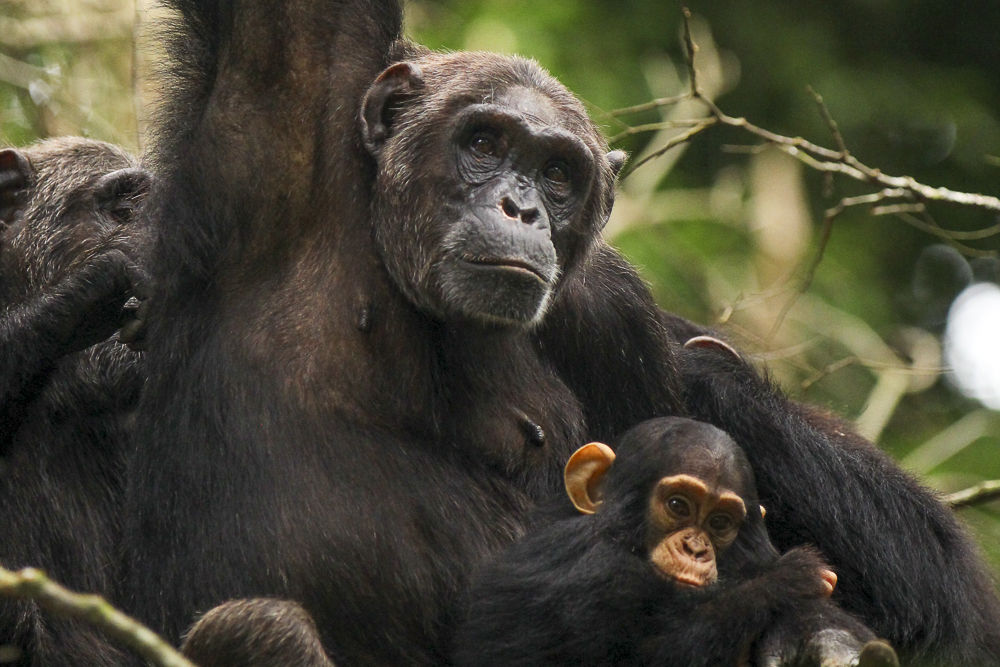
x=813 y=155
x=32 y=584
x=980 y=493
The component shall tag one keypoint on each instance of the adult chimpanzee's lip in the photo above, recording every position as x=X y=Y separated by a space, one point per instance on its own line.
x=507 y=263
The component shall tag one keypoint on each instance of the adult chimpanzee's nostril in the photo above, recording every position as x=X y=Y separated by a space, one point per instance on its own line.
x=512 y=210
x=509 y=208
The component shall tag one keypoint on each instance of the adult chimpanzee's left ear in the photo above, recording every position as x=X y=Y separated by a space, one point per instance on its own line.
x=119 y=192
x=379 y=106
x=583 y=474
x=15 y=175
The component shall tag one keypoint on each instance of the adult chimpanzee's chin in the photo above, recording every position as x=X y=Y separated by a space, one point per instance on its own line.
x=502 y=291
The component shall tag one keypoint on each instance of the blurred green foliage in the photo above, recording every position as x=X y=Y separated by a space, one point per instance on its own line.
x=913 y=84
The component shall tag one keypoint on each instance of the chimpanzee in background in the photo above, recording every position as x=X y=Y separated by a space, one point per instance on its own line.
x=67 y=391
x=673 y=568
x=255 y=633
x=385 y=318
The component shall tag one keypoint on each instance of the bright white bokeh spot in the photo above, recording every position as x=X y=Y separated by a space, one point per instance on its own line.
x=972 y=343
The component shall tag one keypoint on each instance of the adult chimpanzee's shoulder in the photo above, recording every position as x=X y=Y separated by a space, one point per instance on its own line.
x=604 y=334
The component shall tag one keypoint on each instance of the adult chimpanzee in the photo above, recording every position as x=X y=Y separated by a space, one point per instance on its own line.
x=386 y=318
x=673 y=568
x=67 y=392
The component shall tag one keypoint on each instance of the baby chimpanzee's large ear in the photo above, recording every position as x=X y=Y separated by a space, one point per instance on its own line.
x=583 y=474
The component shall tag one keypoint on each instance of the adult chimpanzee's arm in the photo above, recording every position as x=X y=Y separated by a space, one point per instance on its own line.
x=905 y=565
x=604 y=336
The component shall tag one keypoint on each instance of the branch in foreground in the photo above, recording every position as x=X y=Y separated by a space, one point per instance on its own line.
x=32 y=584
x=981 y=493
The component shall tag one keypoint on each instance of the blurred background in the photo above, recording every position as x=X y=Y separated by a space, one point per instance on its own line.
x=899 y=329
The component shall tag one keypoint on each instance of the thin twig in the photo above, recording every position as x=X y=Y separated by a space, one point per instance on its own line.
x=690 y=49
x=649 y=106
x=829 y=370
x=892 y=209
x=681 y=138
x=653 y=127
x=980 y=493
x=32 y=584
x=830 y=122
x=946 y=233
x=932 y=228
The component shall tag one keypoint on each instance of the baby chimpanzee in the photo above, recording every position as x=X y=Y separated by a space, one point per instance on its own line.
x=665 y=561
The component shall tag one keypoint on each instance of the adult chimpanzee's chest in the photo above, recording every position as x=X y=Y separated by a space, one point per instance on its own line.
x=506 y=408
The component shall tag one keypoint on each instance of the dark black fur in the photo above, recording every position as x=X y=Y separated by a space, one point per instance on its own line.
x=905 y=565
x=65 y=403
x=581 y=590
x=323 y=424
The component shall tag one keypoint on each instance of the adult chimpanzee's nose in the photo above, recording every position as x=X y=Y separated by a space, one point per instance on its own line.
x=526 y=214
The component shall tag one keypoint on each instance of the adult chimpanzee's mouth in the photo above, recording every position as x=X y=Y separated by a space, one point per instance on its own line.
x=509 y=264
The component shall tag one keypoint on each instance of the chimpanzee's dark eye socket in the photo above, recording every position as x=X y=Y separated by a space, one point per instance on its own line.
x=721 y=523
x=484 y=145
x=556 y=173
x=679 y=505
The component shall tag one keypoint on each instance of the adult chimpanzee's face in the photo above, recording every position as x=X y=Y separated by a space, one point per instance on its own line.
x=484 y=197
x=522 y=180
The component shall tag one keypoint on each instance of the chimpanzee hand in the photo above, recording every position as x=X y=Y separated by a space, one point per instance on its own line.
x=802 y=574
x=92 y=296
x=135 y=312
x=814 y=631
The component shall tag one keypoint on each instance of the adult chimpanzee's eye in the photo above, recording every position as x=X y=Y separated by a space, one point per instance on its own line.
x=557 y=173
x=720 y=523
x=484 y=145
x=679 y=505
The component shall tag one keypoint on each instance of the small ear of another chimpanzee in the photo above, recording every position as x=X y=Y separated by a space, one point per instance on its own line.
x=15 y=175
x=118 y=193
x=711 y=342
x=583 y=474
x=381 y=102
x=617 y=160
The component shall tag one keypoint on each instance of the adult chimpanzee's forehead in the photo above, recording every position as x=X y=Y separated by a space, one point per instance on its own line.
x=534 y=105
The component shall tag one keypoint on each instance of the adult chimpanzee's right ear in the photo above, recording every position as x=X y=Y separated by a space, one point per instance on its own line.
x=381 y=102
x=617 y=160
x=119 y=192
x=583 y=474
x=15 y=176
